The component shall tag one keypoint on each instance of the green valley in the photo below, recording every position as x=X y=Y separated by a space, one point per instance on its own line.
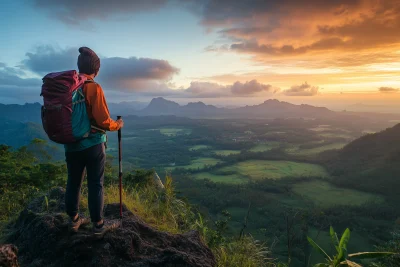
x=271 y=172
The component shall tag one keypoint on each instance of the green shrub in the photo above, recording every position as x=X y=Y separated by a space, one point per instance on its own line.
x=342 y=258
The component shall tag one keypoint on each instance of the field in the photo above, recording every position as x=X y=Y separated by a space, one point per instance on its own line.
x=199 y=147
x=368 y=132
x=266 y=169
x=198 y=163
x=228 y=179
x=336 y=135
x=321 y=128
x=315 y=150
x=326 y=195
x=226 y=152
x=264 y=147
x=175 y=131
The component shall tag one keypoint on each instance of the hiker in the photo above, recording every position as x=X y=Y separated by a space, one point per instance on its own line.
x=88 y=155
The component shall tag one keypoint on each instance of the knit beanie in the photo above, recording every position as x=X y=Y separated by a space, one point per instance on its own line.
x=88 y=61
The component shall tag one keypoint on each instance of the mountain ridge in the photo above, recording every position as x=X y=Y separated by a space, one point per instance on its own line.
x=270 y=107
x=28 y=112
x=159 y=106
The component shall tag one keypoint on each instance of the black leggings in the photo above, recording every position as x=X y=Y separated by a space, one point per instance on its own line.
x=93 y=159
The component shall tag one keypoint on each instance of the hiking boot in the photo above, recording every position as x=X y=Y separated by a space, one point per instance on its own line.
x=74 y=226
x=105 y=227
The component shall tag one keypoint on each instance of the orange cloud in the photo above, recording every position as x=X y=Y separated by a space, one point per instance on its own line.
x=388 y=90
x=322 y=33
x=301 y=90
x=237 y=89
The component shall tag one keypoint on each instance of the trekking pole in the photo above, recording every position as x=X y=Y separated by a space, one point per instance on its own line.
x=120 y=170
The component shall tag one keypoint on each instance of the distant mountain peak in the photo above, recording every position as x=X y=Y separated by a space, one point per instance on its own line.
x=199 y=107
x=199 y=103
x=162 y=100
x=268 y=101
x=160 y=105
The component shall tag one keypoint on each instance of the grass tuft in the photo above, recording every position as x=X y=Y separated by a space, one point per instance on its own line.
x=245 y=252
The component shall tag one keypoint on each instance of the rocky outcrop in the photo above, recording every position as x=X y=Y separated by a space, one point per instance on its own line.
x=42 y=237
x=8 y=256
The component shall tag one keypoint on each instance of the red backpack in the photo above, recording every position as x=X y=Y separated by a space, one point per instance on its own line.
x=64 y=115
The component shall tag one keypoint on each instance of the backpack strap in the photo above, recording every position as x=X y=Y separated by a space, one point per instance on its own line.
x=98 y=129
x=94 y=128
x=88 y=81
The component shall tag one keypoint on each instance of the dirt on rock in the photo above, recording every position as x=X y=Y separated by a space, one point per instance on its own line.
x=42 y=238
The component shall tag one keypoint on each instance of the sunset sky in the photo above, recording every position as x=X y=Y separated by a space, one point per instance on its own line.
x=226 y=52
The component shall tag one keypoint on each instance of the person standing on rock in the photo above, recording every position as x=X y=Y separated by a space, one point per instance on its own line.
x=89 y=153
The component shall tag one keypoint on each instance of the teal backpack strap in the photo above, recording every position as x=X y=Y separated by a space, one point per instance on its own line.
x=92 y=124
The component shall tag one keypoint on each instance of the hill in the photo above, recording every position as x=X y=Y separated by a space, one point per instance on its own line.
x=161 y=106
x=126 y=108
x=22 y=113
x=276 y=108
x=196 y=108
x=17 y=134
x=370 y=162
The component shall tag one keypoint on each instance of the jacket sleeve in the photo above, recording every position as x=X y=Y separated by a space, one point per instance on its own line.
x=99 y=109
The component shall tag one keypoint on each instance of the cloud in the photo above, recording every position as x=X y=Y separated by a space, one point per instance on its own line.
x=217 y=12
x=272 y=20
x=319 y=32
x=266 y=28
x=133 y=73
x=116 y=73
x=301 y=90
x=237 y=89
x=205 y=90
x=119 y=77
x=306 y=34
x=11 y=77
x=249 y=88
x=14 y=88
x=128 y=75
x=46 y=58
x=220 y=12
x=200 y=89
x=77 y=12
x=254 y=47
x=388 y=90
x=142 y=75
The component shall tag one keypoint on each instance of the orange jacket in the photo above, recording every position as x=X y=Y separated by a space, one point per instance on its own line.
x=97 y=108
